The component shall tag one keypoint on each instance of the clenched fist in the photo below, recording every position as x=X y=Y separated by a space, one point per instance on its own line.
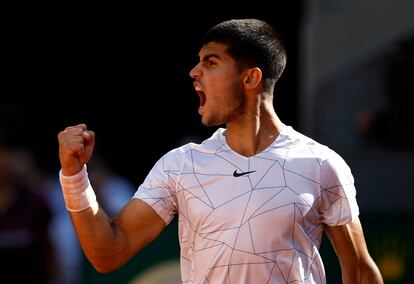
x=75 y=148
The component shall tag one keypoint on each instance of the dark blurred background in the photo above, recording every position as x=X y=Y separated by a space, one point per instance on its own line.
x=123 y=70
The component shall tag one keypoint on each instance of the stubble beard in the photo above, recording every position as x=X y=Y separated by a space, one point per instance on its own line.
x=233 y=107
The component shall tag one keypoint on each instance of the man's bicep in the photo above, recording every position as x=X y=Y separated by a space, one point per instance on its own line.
x=356 y=263
x=139 y=224
x=348 y=241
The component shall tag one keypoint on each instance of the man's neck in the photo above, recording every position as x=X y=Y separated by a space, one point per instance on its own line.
x=255 y=130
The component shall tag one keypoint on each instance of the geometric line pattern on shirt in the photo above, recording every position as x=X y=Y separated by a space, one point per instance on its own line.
x=262 y=227
x=230 y=243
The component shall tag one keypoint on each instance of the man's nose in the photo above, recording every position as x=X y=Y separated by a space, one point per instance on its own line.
x=195 y=72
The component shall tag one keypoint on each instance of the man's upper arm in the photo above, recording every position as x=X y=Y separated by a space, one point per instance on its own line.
x=152 y=207
x=356 y=263
x=139 y=223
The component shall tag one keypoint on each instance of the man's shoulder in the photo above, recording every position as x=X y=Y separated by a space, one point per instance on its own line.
x=294 y=137
x=299 y=141
x=208 y=145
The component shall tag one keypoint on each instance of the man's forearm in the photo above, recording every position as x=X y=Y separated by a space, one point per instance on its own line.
x=370 y=274
x=101 y=239
x=367 y=273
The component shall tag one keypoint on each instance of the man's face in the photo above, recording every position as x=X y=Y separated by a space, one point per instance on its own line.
x=218 y=82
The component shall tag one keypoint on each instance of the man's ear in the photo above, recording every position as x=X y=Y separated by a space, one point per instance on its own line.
x=252 y=78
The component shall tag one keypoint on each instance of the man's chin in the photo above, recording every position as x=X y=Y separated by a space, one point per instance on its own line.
x=210 y=123
x=206 y=123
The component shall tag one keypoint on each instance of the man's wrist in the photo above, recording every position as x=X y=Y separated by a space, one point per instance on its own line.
x=77 y=191
x=68 y=172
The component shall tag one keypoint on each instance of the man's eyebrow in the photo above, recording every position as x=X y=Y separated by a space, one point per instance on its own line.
x=208 y=56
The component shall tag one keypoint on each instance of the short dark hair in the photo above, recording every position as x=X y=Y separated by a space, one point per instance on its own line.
x=252 y=43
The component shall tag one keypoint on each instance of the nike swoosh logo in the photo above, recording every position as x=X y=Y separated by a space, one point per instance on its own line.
x=236 y=174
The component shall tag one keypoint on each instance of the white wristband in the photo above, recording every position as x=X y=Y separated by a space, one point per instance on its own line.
x=78 y=192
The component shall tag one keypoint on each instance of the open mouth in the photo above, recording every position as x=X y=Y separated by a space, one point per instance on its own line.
x=202 y=96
